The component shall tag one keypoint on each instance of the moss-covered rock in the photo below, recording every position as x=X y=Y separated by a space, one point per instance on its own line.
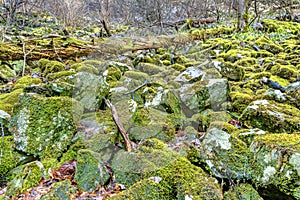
x=203 y=94
x=26 y=81
x=271 y=116
x=240 y=101
x=149 y=68
x=231 y=71
x=179 y=178
x=243 y=191
x=90 y=171
x=44 y=126
x=90 y=90
x=57 y=75
x=288 y=72
x=25 y=176
x=8 y=100
x=6 y=73
x=9 y=158
x=50 y=66
x=276 y=164
x=225 y=155
x=60 y=190
x=268 y=45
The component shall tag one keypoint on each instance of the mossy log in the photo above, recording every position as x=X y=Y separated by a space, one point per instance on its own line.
x=51 y=48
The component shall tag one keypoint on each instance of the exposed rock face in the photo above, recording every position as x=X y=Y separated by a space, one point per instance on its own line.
x=44 y=126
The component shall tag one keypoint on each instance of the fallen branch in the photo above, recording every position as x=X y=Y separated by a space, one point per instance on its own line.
x=119 y=125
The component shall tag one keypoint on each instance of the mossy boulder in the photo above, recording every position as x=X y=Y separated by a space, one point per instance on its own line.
x=9 y=158
x=288 y=72
x=90 y=171
x=121 y=66
x=6 y=73
x=225 y=155
x=149 y=68
x=268 y=45
x=149 y=123
x=61 y=74
x=26 y=81
x=203 y=94
x=50 y=66
x=60 y=190
x=179 y=178
x=191 y=74
x=240 y=101
x=271 y=116
x=8 y=100
x=44 y=126
x=230 y=71
x=136 y=75
x=276 y=164
x=24 y=177
x=293 y=91
x=243 y=191
x=90 y=90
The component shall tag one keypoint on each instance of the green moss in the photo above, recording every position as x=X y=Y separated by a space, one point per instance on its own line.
x=38 y=119
x=232 y=71
x=281 y=81
x=25 y=81
x=279 y=140
x=137 y=75
x=177 y=67
x=224 y=126
x=166 y=62
x=9 y=158
x=246 y=62
x=6 y=73
x=271 y=116
x=240 y=100
x=145 y=189
x=141 y=116
x=60 y=190
x=90 y=171
x=268 y=45
x=260 y=75
x=25 y=176
x=285 y=71
x=178 y=176
x=57 y=75
x=149 y=68
x=234 y=55
x=281 y=26
x=276 y=162
x=86 y=68
x=52 y=66
x=113 y=74
x=242 y=191
x=8 y=100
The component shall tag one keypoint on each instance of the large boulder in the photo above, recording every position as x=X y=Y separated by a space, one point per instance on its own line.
x=90 y=171
x=224 y=155
x=44 y=126
x=276 y=164
x=171 y=175
x=203 y=94
x=271 y=116
x=24 y=177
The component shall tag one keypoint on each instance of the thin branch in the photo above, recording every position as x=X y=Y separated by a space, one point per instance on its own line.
x=119 y=125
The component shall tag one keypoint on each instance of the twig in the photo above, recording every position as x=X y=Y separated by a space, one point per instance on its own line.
x=119 y=125
x=25 y=54
x=137 y=88
x=2 y=137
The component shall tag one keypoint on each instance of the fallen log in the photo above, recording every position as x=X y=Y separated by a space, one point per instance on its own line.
x=50 y=47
